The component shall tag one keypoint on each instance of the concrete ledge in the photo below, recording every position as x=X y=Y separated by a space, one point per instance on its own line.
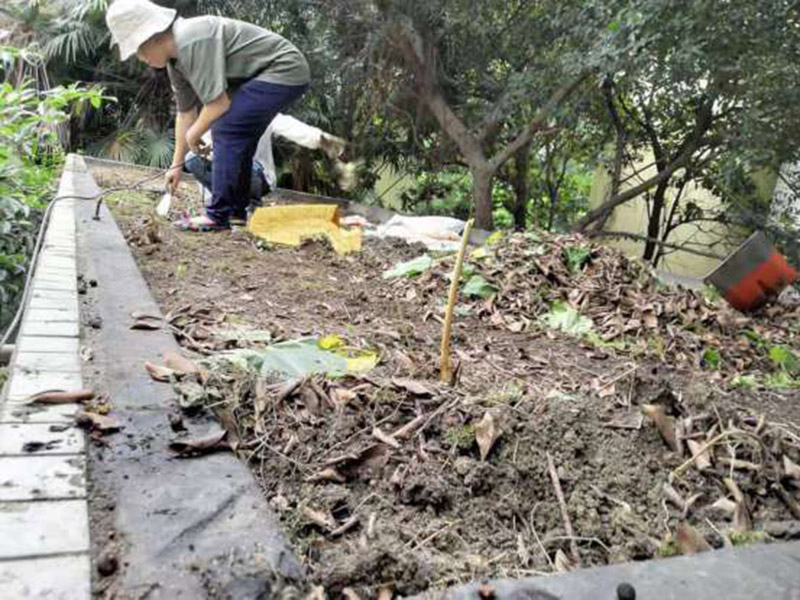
x=765 y=572
x=175 y=515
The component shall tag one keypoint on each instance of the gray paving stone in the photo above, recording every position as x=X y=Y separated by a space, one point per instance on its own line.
x=45 y=315
x=66 y=250
x=29 y=529
x=52 y=329
x=54 y=294
x=60 y=241
x=51 y=260
x=63 y=362
x=37 y=439
x=14 y=412
x=25 y=384
x=42 y=477
x=66 y=304
x=28 y=343
x=56 y=578
x=57 y=274
x=64 y=286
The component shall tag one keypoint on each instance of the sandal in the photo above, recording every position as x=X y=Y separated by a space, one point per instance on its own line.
x=199 y=224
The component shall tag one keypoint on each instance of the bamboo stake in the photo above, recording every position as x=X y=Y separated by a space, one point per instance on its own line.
x=445 y=364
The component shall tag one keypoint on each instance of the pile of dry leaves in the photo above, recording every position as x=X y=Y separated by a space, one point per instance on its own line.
x=522 y=276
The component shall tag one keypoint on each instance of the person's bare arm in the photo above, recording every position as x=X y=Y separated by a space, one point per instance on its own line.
x=183 y=122
x=210 y=113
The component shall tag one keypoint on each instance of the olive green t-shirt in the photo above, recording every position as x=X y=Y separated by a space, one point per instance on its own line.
x=216 y=54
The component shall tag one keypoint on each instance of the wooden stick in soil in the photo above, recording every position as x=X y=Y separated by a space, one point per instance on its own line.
x=562 y=503
x=445 y=363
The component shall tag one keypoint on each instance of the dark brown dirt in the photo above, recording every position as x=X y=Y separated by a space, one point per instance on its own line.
x=431 y=513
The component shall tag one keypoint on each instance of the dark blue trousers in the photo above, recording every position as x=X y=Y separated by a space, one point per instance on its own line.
x=203 y=171
x=235 y=138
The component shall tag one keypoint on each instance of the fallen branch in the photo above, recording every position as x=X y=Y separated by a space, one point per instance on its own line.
x=385 y=439
x=407 y=429
x=573 y=544
x=445 y=362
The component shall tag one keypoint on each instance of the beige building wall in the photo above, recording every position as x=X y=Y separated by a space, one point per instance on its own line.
x=631 y=217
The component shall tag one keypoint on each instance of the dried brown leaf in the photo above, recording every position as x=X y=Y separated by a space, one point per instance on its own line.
x=562 y=563
x=413 y=386
x=204 y=445
x=350 y=594
x=673 y=496
x=330 y=475
x=97 y=422
x=146 y=322
x=178 y=362
x=159 y=372
x=385 y=438
x=664 y=424
x=690 y=541
x=486 y=434
x=725 y=505
x=609 y=390
x=310 y=400
x=385 y=593
x=741 y=518
x=342 y=396
x=143 y=316
x=791 y=468
x=60 y=397
x=702 y=457
x=319 y=518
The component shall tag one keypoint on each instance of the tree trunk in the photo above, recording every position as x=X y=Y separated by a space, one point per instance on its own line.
x=521 y=188
x=552 y=193
x=654 y=224
x=482 y=197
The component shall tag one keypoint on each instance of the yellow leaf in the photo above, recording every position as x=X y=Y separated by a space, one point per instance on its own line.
x=495 y=238
x=479 y=253
x=331 y=342
x=364 y=361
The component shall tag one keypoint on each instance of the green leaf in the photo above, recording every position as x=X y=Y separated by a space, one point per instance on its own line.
x=411 y=268
x=478 y=287
x=562 y=317
x=748 y=382
x=783 y=358
x=296 y=358
x=577 y=258
x=711 y=359
x=781 y=381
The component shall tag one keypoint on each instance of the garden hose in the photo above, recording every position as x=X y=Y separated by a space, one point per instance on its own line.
x=40 y=236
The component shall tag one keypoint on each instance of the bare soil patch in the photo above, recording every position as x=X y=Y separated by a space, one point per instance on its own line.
x=379 y=478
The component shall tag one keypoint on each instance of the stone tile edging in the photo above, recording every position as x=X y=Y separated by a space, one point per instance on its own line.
x=44 y=518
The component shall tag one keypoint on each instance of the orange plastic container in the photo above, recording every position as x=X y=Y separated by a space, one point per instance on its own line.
x=753 y=274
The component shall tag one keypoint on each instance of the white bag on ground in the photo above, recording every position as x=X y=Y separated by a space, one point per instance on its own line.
x=437 y=233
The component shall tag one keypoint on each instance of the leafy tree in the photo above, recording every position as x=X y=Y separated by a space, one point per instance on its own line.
x=710 y=98
x=495 y=77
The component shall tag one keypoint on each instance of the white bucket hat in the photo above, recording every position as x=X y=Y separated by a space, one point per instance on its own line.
x=133 y=22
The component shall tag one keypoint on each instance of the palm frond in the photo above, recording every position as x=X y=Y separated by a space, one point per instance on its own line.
x=157 y=147
x=123 y=145
x=78 y=39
